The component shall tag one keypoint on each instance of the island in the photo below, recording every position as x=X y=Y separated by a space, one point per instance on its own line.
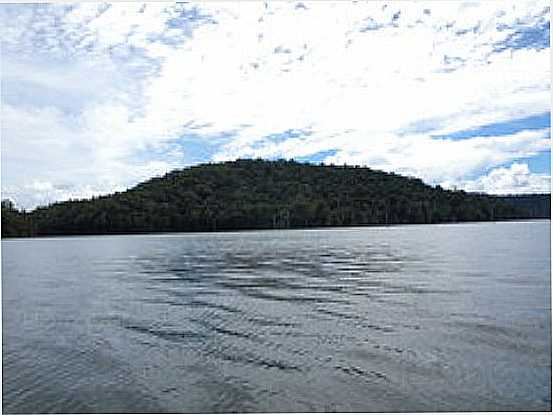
x=261 y=194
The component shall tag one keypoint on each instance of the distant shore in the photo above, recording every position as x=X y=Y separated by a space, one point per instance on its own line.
x=263 y=194
x=314 y=228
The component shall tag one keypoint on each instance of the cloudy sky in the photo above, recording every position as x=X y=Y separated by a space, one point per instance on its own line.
x=97 y=97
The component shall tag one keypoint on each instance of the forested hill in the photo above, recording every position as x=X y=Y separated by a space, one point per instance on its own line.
x=257 y=194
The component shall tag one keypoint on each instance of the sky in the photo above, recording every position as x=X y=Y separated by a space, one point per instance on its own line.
x=97 y=97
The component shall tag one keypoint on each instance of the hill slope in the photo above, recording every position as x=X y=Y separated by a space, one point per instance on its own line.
x=257 y=194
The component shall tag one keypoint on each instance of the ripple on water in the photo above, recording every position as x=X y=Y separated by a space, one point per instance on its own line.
x=397 y=319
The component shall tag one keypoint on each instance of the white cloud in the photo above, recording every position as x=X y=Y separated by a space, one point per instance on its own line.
x=75 y=159
x=116 y=86
x=441 y=160
x=514 y=179
x=42 y=193
x=343 y=86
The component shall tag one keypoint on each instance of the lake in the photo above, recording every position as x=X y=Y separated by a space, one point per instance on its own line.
x=412 y=318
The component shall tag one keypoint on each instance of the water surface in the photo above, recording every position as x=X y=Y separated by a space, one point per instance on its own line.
x=405 y=318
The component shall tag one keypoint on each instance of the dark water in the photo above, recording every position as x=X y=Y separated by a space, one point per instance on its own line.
x=407 y=318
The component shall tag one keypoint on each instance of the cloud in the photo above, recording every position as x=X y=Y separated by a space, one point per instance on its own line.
x=339 y=79
x=514 y=179
x=69 y=153
x=39 y=193
x=444 y=160
x=98 y=96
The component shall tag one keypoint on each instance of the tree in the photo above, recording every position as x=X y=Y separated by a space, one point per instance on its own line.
x=257 y=194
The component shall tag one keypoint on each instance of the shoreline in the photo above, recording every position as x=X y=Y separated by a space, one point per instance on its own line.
x=250 y=230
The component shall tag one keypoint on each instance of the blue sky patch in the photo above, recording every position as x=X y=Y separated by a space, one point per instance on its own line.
x=534 y=122
x=527 y=37
x=188 y=16
x=317 y=157
x=538 y=164
x=286 y=135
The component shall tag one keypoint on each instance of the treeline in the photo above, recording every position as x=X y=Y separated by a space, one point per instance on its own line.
x=535 y=205
x=15 y=222
x=258 y=194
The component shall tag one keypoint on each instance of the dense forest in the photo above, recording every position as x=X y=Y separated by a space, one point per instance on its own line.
x=258 y=194
x=14 y=222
